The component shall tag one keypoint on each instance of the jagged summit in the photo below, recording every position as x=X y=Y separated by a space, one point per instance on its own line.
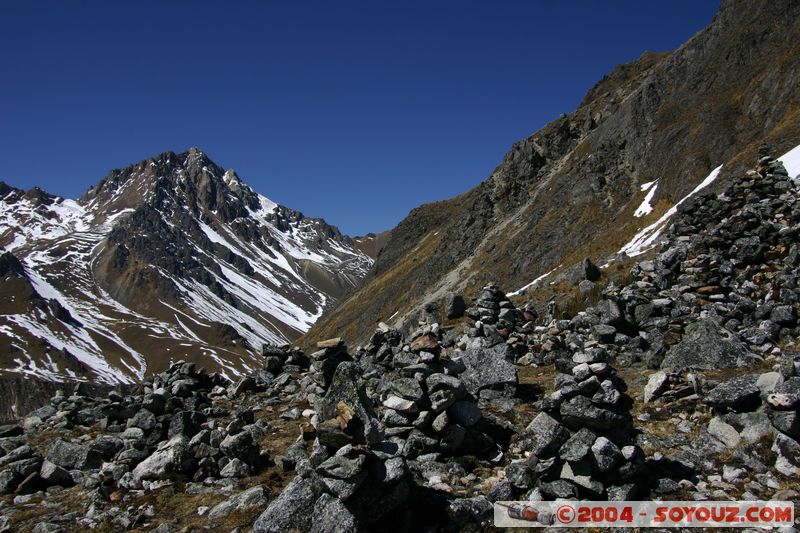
x=171 y=254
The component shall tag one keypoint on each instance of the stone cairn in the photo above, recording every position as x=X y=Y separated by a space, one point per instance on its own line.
x=580 y=445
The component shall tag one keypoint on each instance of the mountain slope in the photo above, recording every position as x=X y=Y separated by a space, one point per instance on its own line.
x=574 y=188
x=172 y=258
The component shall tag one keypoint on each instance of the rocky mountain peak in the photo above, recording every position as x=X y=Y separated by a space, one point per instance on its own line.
x=190 y=178
x=173 y=243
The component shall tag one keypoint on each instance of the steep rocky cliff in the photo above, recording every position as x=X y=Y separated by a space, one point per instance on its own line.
x=644 y=138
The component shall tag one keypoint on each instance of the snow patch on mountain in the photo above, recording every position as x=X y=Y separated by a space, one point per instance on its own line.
x=533 y=283
x=645 y=208
x=646 y=239
x=791 y=160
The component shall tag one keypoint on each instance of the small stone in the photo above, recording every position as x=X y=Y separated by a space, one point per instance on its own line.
x=606 y=454
x=656 y=385
x=581 y=371
x=400 y=404
x=783 y=401
x=578 y=445
x=620 y=493
x=724 y=432
x=522 y=474
x=731 y=474
x=546 y=434
x=440 y=422
x=768 y=381
x=235 y=468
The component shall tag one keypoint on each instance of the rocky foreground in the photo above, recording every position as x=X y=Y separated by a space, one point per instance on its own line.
x=681 y=383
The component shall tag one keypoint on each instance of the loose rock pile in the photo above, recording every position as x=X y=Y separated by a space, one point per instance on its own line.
x=169 y=431
x=581 y=444
x=401 y=412
x=347 y=482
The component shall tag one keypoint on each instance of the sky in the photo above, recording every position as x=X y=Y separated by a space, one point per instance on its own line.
x=353 y=111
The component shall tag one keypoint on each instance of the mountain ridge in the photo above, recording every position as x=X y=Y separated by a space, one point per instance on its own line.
x=172 y=244
x=668 y=118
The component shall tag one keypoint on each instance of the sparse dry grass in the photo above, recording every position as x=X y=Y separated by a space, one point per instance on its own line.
x=386 y=294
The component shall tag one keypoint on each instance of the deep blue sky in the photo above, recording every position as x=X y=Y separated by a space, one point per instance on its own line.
x=356 y=111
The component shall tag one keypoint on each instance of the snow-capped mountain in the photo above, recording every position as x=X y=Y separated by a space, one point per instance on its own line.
x=172 y=258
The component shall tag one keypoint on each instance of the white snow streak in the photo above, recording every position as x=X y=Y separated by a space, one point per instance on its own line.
x=533 y=283
x=645 y=239
x=646 y=207
x=791 y=160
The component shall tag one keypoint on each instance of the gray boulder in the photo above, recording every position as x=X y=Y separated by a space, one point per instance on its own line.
x=604 y=333
x=656 y=385
x=580 y=412
x=787 y=422
x=580 y=474
x=738 y=394
x=454 y=305
x=331 y=516
x=522 y=473
x=292 y=509
x=8 y=481
x=10 y=430
x=546 y=435
x=578 y=445
x=347 y=392
x=706 y=345
x=723 y=431
x=235 y=468
x=255 y=497
x=785 y=315
x=611 y=313
x=144 y=420
x=240 y=446
x=787 y=448
x=606 y=454
x=73 y=456
x=490 y=368
x=173 y=457
x=341 y=467
x=464 y=511
x=53 y=474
